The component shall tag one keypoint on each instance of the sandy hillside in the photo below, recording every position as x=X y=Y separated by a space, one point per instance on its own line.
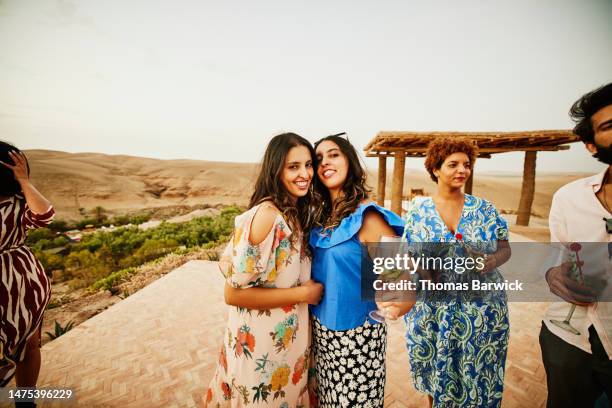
x=125 y=183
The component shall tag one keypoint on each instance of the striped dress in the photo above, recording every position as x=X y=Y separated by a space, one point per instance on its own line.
x=25 y=290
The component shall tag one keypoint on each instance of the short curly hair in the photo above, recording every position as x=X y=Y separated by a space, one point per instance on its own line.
x=439 y=149
x=584 y=108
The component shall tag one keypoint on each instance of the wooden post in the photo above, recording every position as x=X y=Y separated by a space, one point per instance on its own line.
x=399 y=164
x=469 y=183
x=528 y=189
x=382 y=180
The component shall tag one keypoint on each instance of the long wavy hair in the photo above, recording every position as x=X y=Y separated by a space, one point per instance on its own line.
x=8 y=184
x=330 y=214
x=268 y=186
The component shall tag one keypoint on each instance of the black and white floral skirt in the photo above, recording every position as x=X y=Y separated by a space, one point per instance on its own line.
x=350 y=365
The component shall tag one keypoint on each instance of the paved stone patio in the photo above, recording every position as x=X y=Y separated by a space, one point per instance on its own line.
x=158 y=348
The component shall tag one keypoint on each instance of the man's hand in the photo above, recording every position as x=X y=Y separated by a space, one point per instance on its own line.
x=566 y=288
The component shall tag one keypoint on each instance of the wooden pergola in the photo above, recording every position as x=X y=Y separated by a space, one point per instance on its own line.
x=400 y=145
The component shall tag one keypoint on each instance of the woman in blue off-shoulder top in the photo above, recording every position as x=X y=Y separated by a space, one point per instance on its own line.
x=349 y=347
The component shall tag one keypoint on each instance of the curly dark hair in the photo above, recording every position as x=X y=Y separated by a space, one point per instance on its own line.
x=584 y=108
x=8 y=185
x=354 y=190
x=439 y=149
x=269 y=188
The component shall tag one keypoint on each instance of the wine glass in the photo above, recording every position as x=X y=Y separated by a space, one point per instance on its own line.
x=380 y=315
x=565 y=324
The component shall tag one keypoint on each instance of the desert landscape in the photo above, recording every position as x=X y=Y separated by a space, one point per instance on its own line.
x=74 y=181
x=123 y=184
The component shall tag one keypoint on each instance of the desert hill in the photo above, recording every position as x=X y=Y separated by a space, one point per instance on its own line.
x=126 y=183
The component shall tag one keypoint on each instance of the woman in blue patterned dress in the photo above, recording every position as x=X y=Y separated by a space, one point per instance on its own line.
x=457 y=346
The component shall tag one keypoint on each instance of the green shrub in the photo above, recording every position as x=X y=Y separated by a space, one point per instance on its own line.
x=112 y=280
x=212 y=256
x=92 y=261
x=59 y=330
x=39 y=234
x=60 y=225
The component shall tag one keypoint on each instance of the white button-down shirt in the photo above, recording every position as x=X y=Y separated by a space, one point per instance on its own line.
x=576 y=215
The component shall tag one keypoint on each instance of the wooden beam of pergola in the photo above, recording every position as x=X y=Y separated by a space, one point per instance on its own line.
x=505 y=140
x=402 y=145
x=418 y=151
x=480 y=155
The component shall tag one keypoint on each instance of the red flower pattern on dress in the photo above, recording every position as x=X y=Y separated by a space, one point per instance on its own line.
x=298 y=370
x=223 y=359
x=245 y=342
x=227 y=391
x=287 y=309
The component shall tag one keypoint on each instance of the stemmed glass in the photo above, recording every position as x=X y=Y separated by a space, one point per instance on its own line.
x=565 y=324
x=380 y=315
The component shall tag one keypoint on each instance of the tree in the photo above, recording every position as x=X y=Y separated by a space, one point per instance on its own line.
x=99 y=215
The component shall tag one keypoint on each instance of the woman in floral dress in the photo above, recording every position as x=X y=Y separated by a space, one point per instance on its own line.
x=456 y=345
x=25 y=289
x=266 y=346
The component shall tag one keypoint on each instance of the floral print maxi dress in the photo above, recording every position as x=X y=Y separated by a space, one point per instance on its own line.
x=264 y=358
x=457 y=347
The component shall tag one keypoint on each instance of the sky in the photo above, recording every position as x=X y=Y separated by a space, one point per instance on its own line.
x=215 y=80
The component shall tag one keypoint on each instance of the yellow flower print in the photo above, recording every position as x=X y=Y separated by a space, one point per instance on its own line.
x=280 y=377
x=287 y=336
x=272 y=275
x=281 y=258
x=237 y=236
x=250 y=265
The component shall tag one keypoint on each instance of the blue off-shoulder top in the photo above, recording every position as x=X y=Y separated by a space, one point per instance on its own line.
x=337 y=257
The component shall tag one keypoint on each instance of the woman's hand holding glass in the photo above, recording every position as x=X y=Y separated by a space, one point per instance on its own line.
x=391 y=303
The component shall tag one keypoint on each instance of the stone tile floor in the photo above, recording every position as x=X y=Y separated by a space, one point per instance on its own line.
x=158 y=348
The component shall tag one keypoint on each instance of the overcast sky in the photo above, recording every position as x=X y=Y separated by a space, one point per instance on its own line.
x=214 y=80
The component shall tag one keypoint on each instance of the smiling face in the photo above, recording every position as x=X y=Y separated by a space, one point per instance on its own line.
x=297 y=171
x=332 y=165
x=455 y=170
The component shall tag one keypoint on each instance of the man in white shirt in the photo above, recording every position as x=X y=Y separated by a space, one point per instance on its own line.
x=578 y=362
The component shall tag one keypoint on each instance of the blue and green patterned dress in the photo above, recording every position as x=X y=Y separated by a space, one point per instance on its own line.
x=457 y=347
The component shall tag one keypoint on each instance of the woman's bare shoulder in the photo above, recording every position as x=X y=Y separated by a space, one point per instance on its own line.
x=263 y=221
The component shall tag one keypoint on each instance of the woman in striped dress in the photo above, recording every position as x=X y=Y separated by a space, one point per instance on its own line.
x=24 y=288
